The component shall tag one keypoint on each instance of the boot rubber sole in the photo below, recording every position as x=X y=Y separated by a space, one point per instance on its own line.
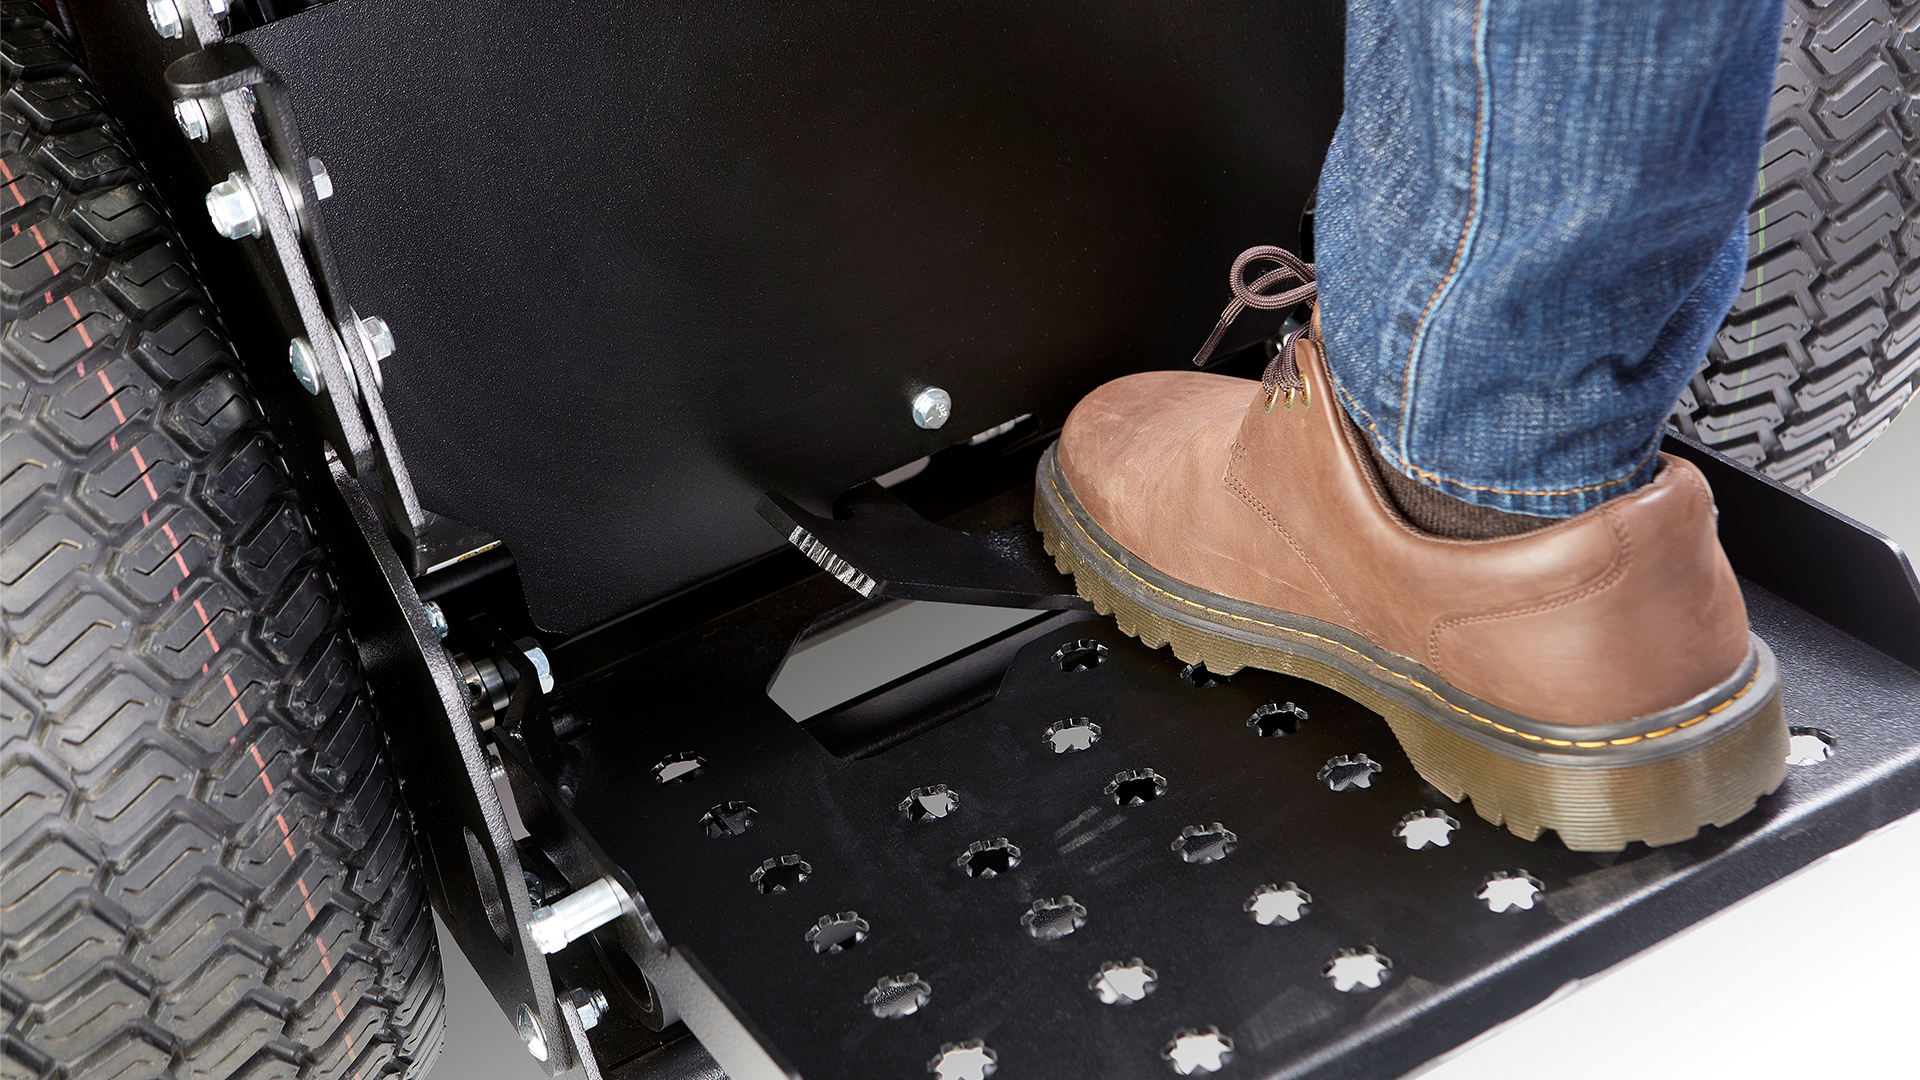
x=1655 y=779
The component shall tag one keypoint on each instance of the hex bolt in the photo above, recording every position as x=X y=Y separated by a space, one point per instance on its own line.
x=219 y=8
x=932 y=407
x=379 y=336
x=437 y=619
x=231 y=205
x=322 y=183
x=192 y=118
x=166 y=18
x=577 y=914
x=306 y=366
x=541 y=668
x=528 y=1025
x=591 y=1005
x=376 y=338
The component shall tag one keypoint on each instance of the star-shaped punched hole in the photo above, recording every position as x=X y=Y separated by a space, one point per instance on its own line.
x=1052 y=918
x=897 y=996
x=929 y=803
x=679 y=768
x=779 y=875
x=989 y=858
x=1276 y=719
x=1083 y=655
x=728 y=819
x=1808 y=746
x=1283 y=903
x=968 y=1060
x=1205 y=843
x=1507 y=890
x=1196 y=674
x=835 y=934
x=1426 y=828
x=1357 y=969
x=1136 y=787
x=1348 y=771
x=1123 y=984
x=1192 y=1051
x=1079 y=733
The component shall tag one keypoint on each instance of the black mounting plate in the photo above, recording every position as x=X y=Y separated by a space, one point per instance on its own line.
x=1458 y=967
x=645 y=261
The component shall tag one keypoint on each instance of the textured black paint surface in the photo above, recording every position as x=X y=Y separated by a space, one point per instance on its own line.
x=644 y=262
x=1458 y=967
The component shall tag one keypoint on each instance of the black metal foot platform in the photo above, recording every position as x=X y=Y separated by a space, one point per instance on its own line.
x=1060 y=853
x=1112 y=827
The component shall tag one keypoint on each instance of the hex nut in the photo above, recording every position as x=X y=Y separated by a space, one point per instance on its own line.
x=322 y=182
x=379 y=336
x=932 y=407
x=231 y=205
x=592 y=1009
x=165 y=16
x=192 y=118
x=542 y=668
x=437 y=618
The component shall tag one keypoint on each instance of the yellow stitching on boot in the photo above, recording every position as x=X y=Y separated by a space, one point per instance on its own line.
x=1095 y=544
x=1247 y=496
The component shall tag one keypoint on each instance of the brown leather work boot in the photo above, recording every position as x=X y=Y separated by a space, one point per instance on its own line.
x=1595 y=676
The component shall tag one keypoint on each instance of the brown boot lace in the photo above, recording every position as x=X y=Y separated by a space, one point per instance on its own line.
x=1282 y=375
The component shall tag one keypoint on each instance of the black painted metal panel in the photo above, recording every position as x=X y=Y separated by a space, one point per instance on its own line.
x=644 y=262
x=1831 y=566
x=1459 y=968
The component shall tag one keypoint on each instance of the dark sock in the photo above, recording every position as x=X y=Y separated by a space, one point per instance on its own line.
x=1433 y=511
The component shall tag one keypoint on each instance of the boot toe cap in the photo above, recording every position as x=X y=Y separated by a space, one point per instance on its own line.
x=1122 y=438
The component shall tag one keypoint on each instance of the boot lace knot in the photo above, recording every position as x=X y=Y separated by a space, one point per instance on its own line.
x=1282 y=376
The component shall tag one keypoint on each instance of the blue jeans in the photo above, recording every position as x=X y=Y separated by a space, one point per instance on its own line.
x=1529 y=227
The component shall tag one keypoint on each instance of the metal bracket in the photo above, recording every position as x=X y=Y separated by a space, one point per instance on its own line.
x=1463 y=956
x=879 y=546
x=276 y=167
x=577 y=1035
x=474 y=869
x=1863 y=583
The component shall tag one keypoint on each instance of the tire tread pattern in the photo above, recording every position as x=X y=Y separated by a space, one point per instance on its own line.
x=204 y=870
x=1822 y=348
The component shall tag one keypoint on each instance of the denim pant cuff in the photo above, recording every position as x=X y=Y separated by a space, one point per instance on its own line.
x=1531 y=223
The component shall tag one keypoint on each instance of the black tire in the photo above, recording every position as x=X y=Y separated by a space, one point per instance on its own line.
x=1822 y=348
x=204 y=868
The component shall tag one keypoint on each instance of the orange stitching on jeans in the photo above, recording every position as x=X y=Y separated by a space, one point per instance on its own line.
x=1404 y=463
x=1466 y=225
x=1459 y=254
